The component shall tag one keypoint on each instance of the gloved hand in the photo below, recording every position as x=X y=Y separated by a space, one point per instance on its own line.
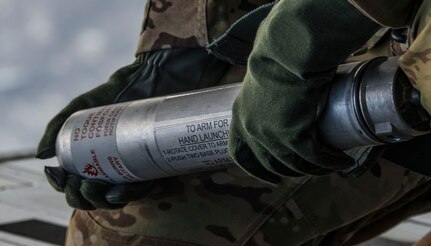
x=89 y=194
x=153 y=74
x=296 y=52
x=416 y=62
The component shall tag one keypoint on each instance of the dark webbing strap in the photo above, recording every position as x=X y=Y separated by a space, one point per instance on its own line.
x=235 y=45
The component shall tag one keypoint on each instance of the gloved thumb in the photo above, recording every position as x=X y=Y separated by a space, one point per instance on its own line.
x=56 y=177
x=94 y=191
x=124 y=193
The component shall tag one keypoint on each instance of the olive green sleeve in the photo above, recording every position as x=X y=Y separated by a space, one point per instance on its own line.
x=295 y=54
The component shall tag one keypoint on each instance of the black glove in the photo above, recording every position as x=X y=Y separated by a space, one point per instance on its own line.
x=152 y=74
x=88 y=194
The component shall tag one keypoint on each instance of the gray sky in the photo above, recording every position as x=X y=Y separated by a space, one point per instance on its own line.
x=51 y=51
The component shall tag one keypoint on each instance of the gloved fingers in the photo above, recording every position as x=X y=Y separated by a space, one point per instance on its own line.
x=266 y=165
x=94 y=192
x=172 y=71
x=246 y=159
x=56 y=177
x=318 y=159
x=73 y=194
x=293 y=160
x=99 y=96
x=124 y=193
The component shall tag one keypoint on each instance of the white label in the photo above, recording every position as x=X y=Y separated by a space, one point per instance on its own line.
x=196 y=145
x=94 y=149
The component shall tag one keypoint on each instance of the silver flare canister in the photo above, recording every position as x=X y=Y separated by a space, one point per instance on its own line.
x=368 y=103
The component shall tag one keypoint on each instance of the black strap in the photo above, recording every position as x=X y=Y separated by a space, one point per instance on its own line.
x=414 y=154
x=365 y=158
x=235 y=45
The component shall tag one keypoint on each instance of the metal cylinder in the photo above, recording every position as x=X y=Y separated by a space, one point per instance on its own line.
x=371 y=103
x=149 y=139
x=188 y=132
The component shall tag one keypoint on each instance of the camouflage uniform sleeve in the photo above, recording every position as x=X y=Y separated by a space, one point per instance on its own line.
x=189 y=23
x=415 y=14
x=389 y=13
x=416 y=62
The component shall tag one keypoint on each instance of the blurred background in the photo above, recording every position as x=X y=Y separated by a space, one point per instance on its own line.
x=50 y=52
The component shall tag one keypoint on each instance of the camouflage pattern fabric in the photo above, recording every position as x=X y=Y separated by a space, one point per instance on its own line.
x=229 y=207
x=381 y=44
x=416 y=62
x=390 y=13
x=189 y=23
